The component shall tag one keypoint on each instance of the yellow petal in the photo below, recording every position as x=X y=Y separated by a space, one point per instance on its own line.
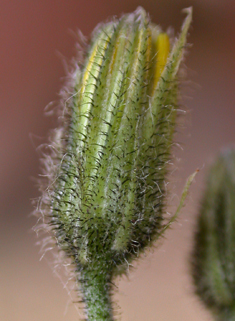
x=163 y=49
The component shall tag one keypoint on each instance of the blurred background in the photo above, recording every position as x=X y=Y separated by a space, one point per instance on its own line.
x=35 y=37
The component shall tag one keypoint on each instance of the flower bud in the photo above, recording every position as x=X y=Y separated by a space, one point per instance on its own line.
x=107 y=191
x=214 y=253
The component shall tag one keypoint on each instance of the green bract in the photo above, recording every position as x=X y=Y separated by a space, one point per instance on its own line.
x=214 y=252
x=107 y=169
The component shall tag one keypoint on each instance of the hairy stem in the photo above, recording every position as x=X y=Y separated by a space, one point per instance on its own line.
x=96 y=293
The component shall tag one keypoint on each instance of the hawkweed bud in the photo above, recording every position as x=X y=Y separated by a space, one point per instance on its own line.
x=214 y=253
x=109 y=158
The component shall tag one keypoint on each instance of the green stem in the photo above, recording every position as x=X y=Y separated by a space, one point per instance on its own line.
x=226 y=314
x=96 y=292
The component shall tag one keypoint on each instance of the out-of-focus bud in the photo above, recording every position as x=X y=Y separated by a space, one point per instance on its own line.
x=107 y=173
x=214 y=252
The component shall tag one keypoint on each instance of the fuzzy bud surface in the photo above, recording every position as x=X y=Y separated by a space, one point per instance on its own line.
x=107 y=170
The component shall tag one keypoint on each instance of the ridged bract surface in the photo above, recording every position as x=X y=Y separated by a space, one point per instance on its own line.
x=214 y=253
x=107 y=170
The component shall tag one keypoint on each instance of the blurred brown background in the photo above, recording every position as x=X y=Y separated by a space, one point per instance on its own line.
x=34 y=35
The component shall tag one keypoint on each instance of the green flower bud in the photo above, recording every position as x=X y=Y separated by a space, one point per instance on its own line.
x=109 y=161
x=214 y=253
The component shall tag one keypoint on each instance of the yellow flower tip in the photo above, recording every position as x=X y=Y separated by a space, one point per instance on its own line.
x=163 y=49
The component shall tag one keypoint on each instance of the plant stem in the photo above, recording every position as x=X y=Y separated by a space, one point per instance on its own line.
x=227 y=314
x=96 y=292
